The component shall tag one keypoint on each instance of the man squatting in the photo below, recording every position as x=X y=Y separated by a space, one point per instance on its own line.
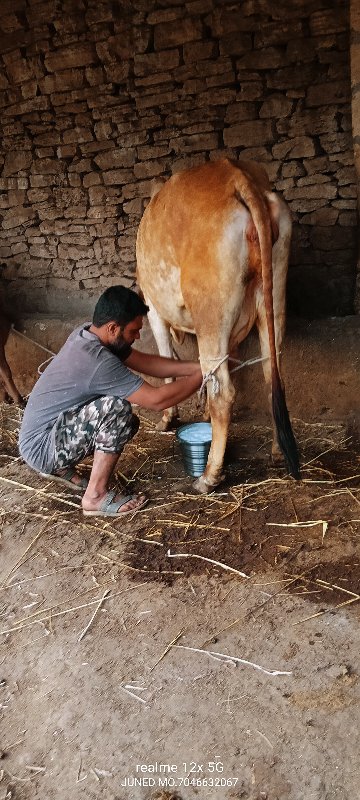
x=81 y=404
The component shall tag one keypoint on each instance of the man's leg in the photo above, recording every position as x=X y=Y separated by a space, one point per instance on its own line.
x=101 y=427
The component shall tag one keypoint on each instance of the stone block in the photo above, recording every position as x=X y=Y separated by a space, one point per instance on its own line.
x=47 y=166
x=149 y=169
x=115 y=158
x=198 y=51
x=104 y=195
x=16 y=162
x=75 y=253
x=276 y=106
x=348 y=191
x=240 y=112
x=94 y=75
x=346 y=175
x=274 y=34
x=329 y=93
x=164 y=15
x=12 y=218
x=105 y=250
x=66 y=151
x=91 y=179
x=328 y=21
x=81 y=54
x=215 y=97
x=65 y=81
x=38 y=195
x=117 y=177
x=235 y=44
x=305 y=205
x=292 y=169
x=313 y=179
x=256 y=132
x=315 y=191
x=223 y=79
x=170 y=34
x=154 y=80
x=335 y=142
x=249 y=90
x=133 y=207
x=18 y=248
x=301 y=50
x=27 y=107
x=117 y=73
x=18 y=71
x=29 y=89
x=267 y=58
x=77 y=135
x=346 y=205
x=311 y=123
x=114 y=49
x=42 y=251
x=149 y=63
x=157 y=100
x=194 y=143
x=293 y=77
x=229 y=20
x=147 y=152
x=299 y=147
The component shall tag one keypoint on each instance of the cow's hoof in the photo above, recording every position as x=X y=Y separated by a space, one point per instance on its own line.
x=277 y=457
x=203 y=486
x=163 y=425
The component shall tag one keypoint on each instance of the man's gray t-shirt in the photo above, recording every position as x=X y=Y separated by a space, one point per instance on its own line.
x=83 y=370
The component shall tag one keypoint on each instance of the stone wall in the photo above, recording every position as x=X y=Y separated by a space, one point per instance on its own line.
x=98 y=98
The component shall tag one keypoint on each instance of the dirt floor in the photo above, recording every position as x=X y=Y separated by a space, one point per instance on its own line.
x=131 y=666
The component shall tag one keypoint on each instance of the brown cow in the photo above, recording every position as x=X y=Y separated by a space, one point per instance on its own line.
x=212 y=258
x=5 y=372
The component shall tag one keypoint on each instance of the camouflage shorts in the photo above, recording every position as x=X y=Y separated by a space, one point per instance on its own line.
x=106 y=424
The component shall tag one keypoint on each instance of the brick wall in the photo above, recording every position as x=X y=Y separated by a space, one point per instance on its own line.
x=98 y=98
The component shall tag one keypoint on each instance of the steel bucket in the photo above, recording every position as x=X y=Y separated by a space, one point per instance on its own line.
x=195 y=441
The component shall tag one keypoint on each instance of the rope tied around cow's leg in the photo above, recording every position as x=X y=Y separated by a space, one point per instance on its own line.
x=210 y=376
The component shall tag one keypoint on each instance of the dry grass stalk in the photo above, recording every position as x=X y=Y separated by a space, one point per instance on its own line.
x=20 y=561
x=187 y=525
x=169 y=646
x=308 y=524
x=97 y=609
x=66 y=611
x=209 y=561
x=234 y=659
x=48 y=495
x=327 y=610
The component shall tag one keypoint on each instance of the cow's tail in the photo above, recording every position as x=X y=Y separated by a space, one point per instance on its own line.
x=258 y=209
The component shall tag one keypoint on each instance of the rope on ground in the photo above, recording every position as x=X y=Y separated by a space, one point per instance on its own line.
x=41 y=346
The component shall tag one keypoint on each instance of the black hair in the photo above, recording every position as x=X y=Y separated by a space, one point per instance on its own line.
x=118 y=304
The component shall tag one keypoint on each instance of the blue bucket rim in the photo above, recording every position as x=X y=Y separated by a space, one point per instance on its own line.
x=188 y=425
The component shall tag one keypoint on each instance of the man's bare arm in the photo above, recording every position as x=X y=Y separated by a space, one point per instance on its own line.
x=157 y=398
x=159 y=366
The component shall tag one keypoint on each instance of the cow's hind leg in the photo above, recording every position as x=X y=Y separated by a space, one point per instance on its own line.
x=162 y=336
x=220 y=407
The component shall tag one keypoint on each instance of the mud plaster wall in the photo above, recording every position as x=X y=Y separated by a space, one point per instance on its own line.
x=98 y=98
